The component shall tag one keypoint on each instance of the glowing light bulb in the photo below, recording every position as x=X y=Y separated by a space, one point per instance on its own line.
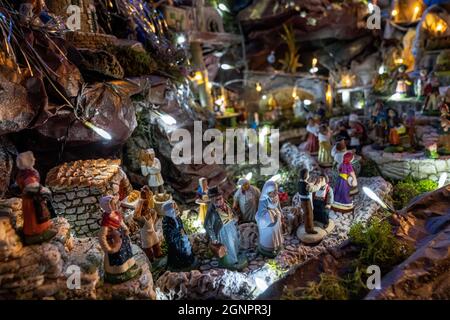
x=442 y=180
x=372 y=195
x=198 y=76
x=307 y=102
x=223 y=7
x=181 y=38
x=102 y=133
x=394 y=13
x=264 y=97
x=258 y=87
x=226 y=66
x=275 y=178
x=169 y=120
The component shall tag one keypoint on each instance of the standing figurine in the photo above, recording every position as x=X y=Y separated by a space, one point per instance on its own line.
x=221 y=227
x=420 y=83
x=431 y=92
x=341 y=133
x=246 y=201
x=269 y=220
x=403 y=81
x=322 y=200
x=202 y=198
x=393 y=123
x=324 y=158
x=305 y=188
x=444 y=137
x=378 y=123
x=356 y=133
x=312 y=142
x=147 y=217
x=35 y=201
x=114 y=239
x=179 y=249
x=346 y=180
x=410 y=123
x=151 y=169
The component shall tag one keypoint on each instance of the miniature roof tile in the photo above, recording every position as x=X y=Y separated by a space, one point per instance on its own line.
x=83 y=173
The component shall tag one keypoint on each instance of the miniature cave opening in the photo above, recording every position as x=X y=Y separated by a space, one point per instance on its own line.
x=224 y=149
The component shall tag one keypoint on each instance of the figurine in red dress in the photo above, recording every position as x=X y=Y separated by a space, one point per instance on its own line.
x=36 y=214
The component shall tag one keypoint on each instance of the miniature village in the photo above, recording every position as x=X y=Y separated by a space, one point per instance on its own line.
x=338 y=188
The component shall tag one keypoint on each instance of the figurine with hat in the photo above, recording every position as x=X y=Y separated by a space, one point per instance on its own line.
x=179 y=249
x=221 y=227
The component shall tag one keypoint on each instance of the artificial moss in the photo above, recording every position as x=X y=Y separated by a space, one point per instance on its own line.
x=134 y=63
x=369 y=168
x=408 y=189
x=378 y=244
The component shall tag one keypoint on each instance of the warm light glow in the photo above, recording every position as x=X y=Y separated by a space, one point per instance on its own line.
x=347 y=80
x=102 y=133
x=398 y=61
x=264 y=97
x=440 y=27
x=442 y=180
x=394 y=13
x=416 y=13
x=198 y=76
x=258 y=87
x=377 y=199
x=329 y=95
x=314 y=62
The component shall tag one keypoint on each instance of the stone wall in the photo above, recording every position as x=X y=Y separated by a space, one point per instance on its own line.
x=88 y=40
x=79 y=203
x=398 y=166
x=42 y=271
x=297 y=159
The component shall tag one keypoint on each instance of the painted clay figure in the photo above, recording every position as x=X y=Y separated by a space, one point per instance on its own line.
x=147 y=217
x=35 y=197
x=202 y=198
x=325 y=159
x=322 y=200
x=356 y=133
x=269 y=220
x=114 y=239
x=221 y=227
x=246 y=201
x=151 y=169
x=305 y=189
x=346 y=180
x=179 y=249
x=312 y=142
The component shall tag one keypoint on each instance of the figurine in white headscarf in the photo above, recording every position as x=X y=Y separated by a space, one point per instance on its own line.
x=246 y=201
x=151 y=169
x=269 y=220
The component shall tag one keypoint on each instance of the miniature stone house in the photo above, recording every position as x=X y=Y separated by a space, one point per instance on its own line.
x=78 y=186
